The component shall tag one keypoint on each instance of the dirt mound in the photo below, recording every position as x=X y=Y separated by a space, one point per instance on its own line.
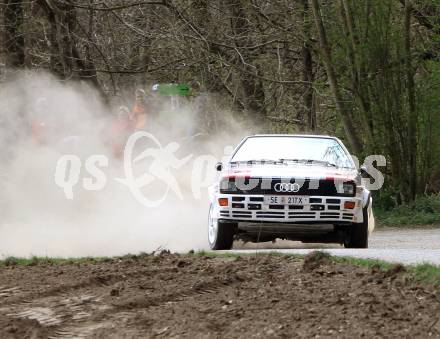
x=167 y=295
x=314 y=260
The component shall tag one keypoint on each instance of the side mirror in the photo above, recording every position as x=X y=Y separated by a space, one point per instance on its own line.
x=363 y=170
x=218 y=166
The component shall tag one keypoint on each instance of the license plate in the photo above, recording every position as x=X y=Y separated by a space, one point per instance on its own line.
x=286 y=200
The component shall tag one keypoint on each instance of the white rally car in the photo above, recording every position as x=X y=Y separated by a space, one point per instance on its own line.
x=295 y=187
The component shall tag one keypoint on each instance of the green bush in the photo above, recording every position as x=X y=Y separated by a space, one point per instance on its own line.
x=423 y=211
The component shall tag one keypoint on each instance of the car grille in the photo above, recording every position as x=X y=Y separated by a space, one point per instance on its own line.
x=288 y=216
x=262 y=186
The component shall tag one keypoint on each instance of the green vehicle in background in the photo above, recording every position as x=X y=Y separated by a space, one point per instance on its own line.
x=171 y=96
x=172 y=90
x=176 y=111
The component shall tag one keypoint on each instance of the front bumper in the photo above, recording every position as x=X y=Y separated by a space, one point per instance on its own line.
x=321 y=209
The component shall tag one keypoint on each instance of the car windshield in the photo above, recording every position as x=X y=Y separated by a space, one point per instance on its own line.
x=293 y=149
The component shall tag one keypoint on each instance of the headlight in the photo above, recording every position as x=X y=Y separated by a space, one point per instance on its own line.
x=349 y=188
x=346 y=188
x=227 y=186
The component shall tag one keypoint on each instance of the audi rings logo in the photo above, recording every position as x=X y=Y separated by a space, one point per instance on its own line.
x=287 y=187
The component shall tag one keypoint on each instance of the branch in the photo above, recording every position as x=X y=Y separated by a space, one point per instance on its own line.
x=106 y=8
x=422 y=19
x=286 y=120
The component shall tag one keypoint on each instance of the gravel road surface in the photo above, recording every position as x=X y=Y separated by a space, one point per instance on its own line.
x=407 y=246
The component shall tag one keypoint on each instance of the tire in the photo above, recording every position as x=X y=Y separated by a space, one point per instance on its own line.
x=358 y=233
x=220 y=235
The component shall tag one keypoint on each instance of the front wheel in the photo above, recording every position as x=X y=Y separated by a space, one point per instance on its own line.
x=220 y=235
x=358 y=233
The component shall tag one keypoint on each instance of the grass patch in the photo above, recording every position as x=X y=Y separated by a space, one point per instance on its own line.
x=426 y=273
x=422 y=273
x=423 y=211
x=384 y=265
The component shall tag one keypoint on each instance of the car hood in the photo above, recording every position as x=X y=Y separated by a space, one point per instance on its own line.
x=297 y=171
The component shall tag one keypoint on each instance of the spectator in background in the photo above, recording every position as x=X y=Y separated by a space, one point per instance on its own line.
x=141 y=110
x=120 y=131
x=39 y=122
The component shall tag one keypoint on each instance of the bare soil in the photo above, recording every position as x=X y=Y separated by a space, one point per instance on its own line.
x=169 y=295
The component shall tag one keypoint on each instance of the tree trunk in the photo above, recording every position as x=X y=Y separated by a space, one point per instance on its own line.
x=331 y=74
x=66 y=60
x=56 y=61
x=203 y=19
x=306 y=53
x=412 y=118
x=14 y=35
x=252 y=85
x=358 y=77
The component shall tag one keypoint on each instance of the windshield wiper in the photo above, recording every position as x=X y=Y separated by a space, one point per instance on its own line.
x=255 y=161
x=309 y=161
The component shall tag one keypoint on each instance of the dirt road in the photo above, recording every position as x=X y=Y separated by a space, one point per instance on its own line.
x=200 y=297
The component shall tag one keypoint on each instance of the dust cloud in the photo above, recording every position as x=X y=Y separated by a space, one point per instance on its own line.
x=36 y=218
